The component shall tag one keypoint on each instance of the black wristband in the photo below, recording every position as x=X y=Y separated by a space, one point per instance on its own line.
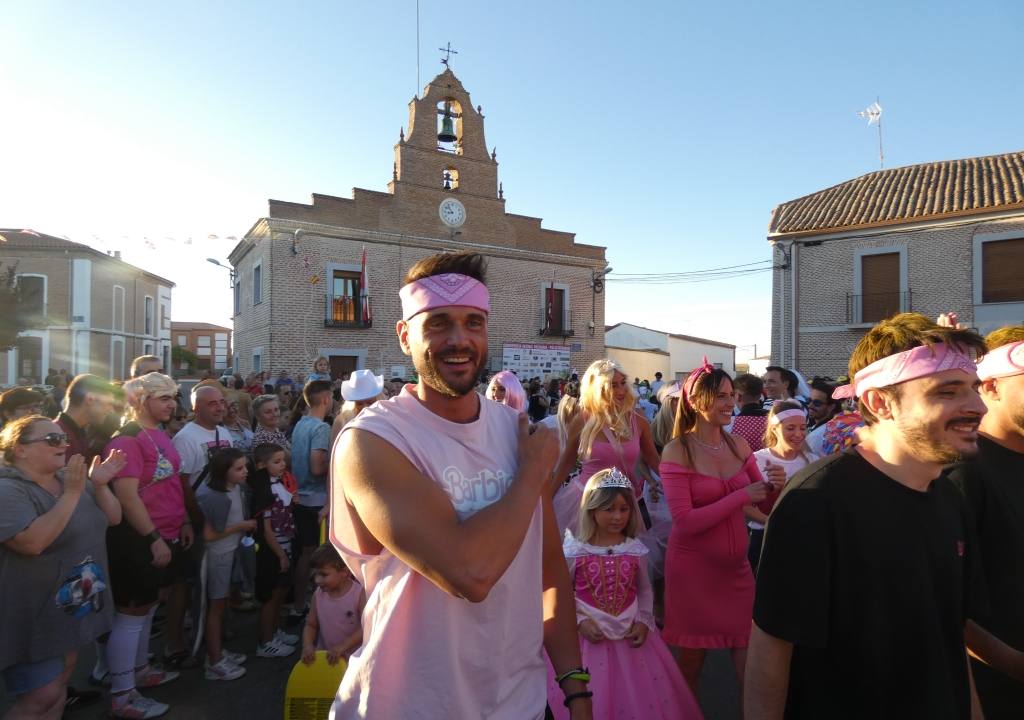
x=577 y=696
x=153 y=536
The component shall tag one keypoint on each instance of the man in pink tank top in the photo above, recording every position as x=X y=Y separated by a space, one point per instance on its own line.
x=437 y=507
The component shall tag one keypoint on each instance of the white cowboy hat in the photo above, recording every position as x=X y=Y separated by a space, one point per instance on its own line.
x=362 y=385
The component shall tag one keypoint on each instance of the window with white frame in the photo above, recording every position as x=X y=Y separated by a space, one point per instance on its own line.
x=238 y=296
x=555 y=309
x=257 y=283
x=117 y=309
x=203 y=340
x=257 y=359
x=182 y=340
x=149 y=315
x=1002 y=270
x=880 y=284
x=32 y=294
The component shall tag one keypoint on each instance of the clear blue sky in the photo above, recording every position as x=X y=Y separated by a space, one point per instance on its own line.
x=664 y=131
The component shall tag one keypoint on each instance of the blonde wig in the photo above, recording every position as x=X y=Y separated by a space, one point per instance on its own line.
x=568 y=406
x=138 y=390
x=595 y=498
x=598 y=402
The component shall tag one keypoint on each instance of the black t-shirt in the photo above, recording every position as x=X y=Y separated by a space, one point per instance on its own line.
x=993 y=483
x=869 y=580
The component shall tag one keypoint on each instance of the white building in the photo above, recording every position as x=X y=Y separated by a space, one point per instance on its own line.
x=685 y=352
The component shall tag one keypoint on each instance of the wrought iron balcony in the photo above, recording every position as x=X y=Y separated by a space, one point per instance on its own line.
x=874 y=307
x=346 y=311
x=557 y=330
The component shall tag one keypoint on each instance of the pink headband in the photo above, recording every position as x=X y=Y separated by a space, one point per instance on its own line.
x=786 y=415
x=918 y=362
x=441 y=291
x=706 y=368
x=1004 y=361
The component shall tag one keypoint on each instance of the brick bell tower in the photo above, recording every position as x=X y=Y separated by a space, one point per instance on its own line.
x=444 y=152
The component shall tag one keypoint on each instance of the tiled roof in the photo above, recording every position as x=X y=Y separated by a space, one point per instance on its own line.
x=26 y=239
x=908 y=194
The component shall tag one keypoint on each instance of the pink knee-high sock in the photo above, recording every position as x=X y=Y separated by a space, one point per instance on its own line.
x=122 y=649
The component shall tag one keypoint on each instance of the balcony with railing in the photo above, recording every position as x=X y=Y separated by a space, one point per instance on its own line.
x=557 y=329
x=346 y=311
x=874 y=307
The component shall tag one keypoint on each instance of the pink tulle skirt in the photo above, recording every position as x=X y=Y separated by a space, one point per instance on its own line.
x=631 y=683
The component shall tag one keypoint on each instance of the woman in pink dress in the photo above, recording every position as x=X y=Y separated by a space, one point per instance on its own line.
x=608 y=432
x=709 y=476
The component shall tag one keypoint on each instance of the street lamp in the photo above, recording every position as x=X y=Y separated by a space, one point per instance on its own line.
x=596 y=286
x=231 y=271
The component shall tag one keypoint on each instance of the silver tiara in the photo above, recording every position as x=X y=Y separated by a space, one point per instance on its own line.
x=614 y=479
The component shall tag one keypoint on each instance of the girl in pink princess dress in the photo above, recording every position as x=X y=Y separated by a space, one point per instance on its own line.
x=632 y=673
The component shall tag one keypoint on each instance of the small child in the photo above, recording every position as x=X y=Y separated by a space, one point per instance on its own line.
x=632 y=673
x=333 y=623
x=220 y=499
x=321 y=370
x=273 y=489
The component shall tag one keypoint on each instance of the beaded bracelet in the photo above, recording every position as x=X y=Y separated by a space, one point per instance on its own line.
x=580 y=673
x=577 y=696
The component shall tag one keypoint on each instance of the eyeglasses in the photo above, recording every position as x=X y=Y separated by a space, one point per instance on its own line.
x=53 y=439
x=817 y=403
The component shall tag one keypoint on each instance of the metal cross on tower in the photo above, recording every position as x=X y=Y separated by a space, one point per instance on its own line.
x=448 y=54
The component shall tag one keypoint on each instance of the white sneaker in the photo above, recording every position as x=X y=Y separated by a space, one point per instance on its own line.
x=224 y=670
x=236 y=658
x=134 y=706
x=286 y=638
x=274 y=649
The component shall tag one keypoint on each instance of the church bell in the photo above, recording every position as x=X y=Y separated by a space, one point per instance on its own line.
x=447 y=134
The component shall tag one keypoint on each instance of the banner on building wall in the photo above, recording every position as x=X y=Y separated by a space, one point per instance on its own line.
x=529 y=360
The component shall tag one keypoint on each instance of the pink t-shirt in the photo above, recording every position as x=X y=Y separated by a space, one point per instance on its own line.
x=426 y=654
x=152 y=459
x=337 y=618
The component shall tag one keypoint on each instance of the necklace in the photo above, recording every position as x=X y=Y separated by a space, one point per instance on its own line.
x=709 y=446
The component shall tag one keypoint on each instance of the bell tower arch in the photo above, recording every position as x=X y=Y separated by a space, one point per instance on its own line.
x=446 y=141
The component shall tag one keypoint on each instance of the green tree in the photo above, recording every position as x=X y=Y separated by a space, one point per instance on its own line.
x=181 y=355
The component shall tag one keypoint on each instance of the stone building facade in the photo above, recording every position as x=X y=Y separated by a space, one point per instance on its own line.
x=928 y=238
x=94 y=312
x=300 y=290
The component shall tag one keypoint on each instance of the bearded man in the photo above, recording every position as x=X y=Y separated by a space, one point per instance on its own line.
x=438 y=509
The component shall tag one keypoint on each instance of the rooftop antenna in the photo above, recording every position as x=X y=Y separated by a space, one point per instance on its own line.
x=873 y=114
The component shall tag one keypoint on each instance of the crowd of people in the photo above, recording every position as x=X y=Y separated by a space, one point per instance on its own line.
x=506 y=547
x=123 y=497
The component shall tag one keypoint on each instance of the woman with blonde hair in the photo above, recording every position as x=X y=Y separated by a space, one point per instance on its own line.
x=785 y=447
x=607 y=432
x=709 y=476
x=54 y=583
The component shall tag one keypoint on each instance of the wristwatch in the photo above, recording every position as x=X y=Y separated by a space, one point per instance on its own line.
x=153 y=536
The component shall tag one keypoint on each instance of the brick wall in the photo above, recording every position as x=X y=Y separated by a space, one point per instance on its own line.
x=291 y=326
x=939 y=278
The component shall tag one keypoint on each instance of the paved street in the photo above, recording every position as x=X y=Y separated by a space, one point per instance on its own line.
x=259 y=695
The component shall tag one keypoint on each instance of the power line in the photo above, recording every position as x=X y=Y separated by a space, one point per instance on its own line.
x=691 y=280
x=693 y=272
x=726 y=272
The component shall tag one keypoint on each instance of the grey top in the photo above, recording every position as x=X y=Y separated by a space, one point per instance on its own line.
x=59 y=600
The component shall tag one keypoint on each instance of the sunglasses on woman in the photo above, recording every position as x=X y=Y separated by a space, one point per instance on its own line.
x=54 y=439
